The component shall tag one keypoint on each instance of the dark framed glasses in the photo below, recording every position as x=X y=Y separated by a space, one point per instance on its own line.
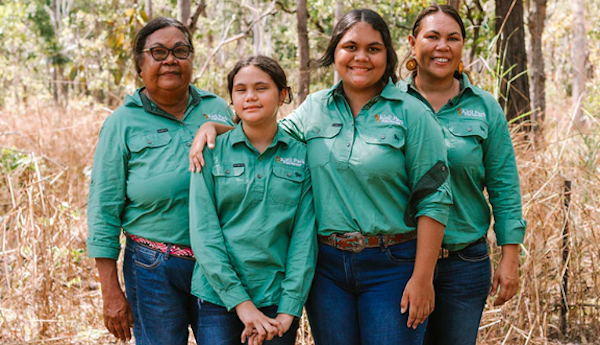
x=162 y=53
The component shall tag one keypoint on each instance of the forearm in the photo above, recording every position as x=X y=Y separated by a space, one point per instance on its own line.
x=109 y=279
x=510 y=252
x=222 y=128
x=429 y=241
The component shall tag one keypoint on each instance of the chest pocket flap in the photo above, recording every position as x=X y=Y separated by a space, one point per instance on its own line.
x=385 y=136
x=151 y=140
x=471 y=128
x=325 y=131
x=289 y=173
x=228 y=170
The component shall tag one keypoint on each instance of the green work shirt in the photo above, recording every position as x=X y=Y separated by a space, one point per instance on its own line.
x=140 y=180
x=480 y=155
x=252 y=224
x=366 y=169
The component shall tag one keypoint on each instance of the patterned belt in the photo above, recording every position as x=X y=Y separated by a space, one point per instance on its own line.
x=356 y=242
x=167 y=248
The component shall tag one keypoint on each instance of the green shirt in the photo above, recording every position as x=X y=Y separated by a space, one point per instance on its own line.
x=140 y=180
x=252 y=224
x=480 y=155
x=365 y=169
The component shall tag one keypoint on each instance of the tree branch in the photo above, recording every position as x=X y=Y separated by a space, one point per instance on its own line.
x=194 y=19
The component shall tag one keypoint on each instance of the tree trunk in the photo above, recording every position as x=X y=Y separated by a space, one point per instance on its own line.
x=148 y=9
x=184 y=10
x=578 y=54
x=537 y=17
x=514 y=87
x=256 y=29
x=303 y=51
x=454 y=3
x=339 y=13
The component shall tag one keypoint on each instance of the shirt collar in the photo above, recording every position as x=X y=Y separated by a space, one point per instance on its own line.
x=390 y=91
x=139 y=99
x=465 y=84
x=238 y=136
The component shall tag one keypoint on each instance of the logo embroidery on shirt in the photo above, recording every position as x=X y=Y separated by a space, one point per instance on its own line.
x=470 y=112
x=290 y=161
x=216 y=117
x=393 y=119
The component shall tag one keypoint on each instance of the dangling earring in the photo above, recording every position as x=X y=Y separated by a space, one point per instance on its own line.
x=460 y=68
x=411 y=64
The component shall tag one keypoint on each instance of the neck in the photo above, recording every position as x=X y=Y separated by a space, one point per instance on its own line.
x=174 y=103
x=358 y=98
x=430 y=85
x=261 y=137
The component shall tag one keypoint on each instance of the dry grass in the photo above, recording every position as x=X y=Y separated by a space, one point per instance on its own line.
x=49 y=292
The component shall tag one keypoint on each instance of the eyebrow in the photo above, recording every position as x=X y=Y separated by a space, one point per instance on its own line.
x=177 y=44
x=260 y=82
x=376 y=43
x=437 y=33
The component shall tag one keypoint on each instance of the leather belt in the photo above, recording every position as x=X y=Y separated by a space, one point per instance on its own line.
x=356 y=242
x=179 y=251
x=445 y=253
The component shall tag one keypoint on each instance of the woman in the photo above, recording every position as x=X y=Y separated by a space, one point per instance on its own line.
x=377 y=162
x=140 y=184
x=480 y=155
x=252 y=219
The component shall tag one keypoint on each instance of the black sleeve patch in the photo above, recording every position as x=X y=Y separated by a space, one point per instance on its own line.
x=427 y=185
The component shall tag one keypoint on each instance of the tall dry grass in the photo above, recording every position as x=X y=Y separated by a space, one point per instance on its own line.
x=49 y=292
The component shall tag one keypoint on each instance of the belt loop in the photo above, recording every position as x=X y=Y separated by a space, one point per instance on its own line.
x=168 y=252
x=382 y=243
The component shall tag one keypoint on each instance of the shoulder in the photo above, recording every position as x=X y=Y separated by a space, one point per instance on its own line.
x=486 y=102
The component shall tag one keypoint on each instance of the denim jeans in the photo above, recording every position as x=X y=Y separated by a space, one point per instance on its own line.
x=355 y=298
x=158 y=290
x=217 y=326
x=462 y=282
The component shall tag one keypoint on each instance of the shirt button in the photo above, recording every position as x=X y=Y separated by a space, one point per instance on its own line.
x=383 y=136
x=260 y=158
x=469 y=129
x=227 y=171
x=289 y=175
x=189 y=144
x=367 y=107
x=348 y=145
x=443 y=168
x=259 y=176
x=182 y=124
x=149 y=141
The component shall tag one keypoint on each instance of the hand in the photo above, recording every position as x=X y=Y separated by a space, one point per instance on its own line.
x=506 y=275
x=118 y=317
x=419 y=298
x=205 y=135
x=259 y=327
x=286 y=322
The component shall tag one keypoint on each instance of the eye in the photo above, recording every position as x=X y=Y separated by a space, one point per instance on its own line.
x=239 y=89
x=374 y=49
x=349 y=48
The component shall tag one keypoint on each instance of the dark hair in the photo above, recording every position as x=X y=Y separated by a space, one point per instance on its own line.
x=151 y=27
x=434 y=8
x=374 y=19
x=267 y=65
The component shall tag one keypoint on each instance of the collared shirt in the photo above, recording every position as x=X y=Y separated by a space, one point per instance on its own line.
x=480 y=155
x=253 y=224
x=140 y=180
x=365 y=169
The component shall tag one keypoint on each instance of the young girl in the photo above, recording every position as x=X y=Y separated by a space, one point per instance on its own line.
x=252 y=219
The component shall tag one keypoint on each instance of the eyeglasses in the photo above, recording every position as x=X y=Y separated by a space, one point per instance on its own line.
x=162 y=53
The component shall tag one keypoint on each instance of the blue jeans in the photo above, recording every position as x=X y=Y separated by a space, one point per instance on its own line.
x=217 y=326
x=462 y=282
x=355 y=298
x=158 y=290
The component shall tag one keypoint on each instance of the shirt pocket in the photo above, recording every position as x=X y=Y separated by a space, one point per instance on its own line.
x=391 y=137
x=465 y=142
x=285 y=186
x=152 y=154
x=230 y=182
x=319 y=142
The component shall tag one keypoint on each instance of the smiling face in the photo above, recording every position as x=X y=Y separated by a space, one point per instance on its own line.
x=361 y=58
x=171 y=74
x=437 y=46
x=255 y=96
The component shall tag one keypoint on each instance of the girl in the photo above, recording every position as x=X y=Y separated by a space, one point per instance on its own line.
x=252 y=219
x=480 y=155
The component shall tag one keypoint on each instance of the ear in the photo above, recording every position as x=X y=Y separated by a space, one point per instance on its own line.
x=283 y=94
x=412 y=41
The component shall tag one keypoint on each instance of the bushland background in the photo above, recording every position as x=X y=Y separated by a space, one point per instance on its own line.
x=66 y=64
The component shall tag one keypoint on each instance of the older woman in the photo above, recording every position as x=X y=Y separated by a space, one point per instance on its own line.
x=140 y=184
x=480 y=156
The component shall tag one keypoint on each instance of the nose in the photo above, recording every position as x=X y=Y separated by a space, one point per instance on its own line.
x=251 y=96
x=170 y=58
x=442 y=45
x=361 y=55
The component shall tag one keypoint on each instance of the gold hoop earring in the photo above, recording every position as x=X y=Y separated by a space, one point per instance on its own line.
x=460 y=68
x=411 y=64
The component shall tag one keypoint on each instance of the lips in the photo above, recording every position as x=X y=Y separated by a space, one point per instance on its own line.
x=438 y=59
x=251 y=108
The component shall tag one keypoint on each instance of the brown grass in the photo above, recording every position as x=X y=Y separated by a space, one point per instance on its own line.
x=49 y=292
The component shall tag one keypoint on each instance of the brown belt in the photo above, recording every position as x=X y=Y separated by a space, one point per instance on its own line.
x=356 y=242
x=445 y=253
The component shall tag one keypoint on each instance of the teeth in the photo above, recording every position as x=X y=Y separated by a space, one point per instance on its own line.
x=441 y=59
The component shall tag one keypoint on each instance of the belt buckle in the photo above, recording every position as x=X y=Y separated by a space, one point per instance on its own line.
x=361 y=242
x=444 y=253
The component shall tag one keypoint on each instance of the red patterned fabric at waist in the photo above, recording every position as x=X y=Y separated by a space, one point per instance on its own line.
x=175 y=250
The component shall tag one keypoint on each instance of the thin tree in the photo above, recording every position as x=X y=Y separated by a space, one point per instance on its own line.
x=303 y=51
x=148 y=9
x=579 y=57
x=514 y=87
x=537 y=18
x=184 y=9
x=454 y=3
